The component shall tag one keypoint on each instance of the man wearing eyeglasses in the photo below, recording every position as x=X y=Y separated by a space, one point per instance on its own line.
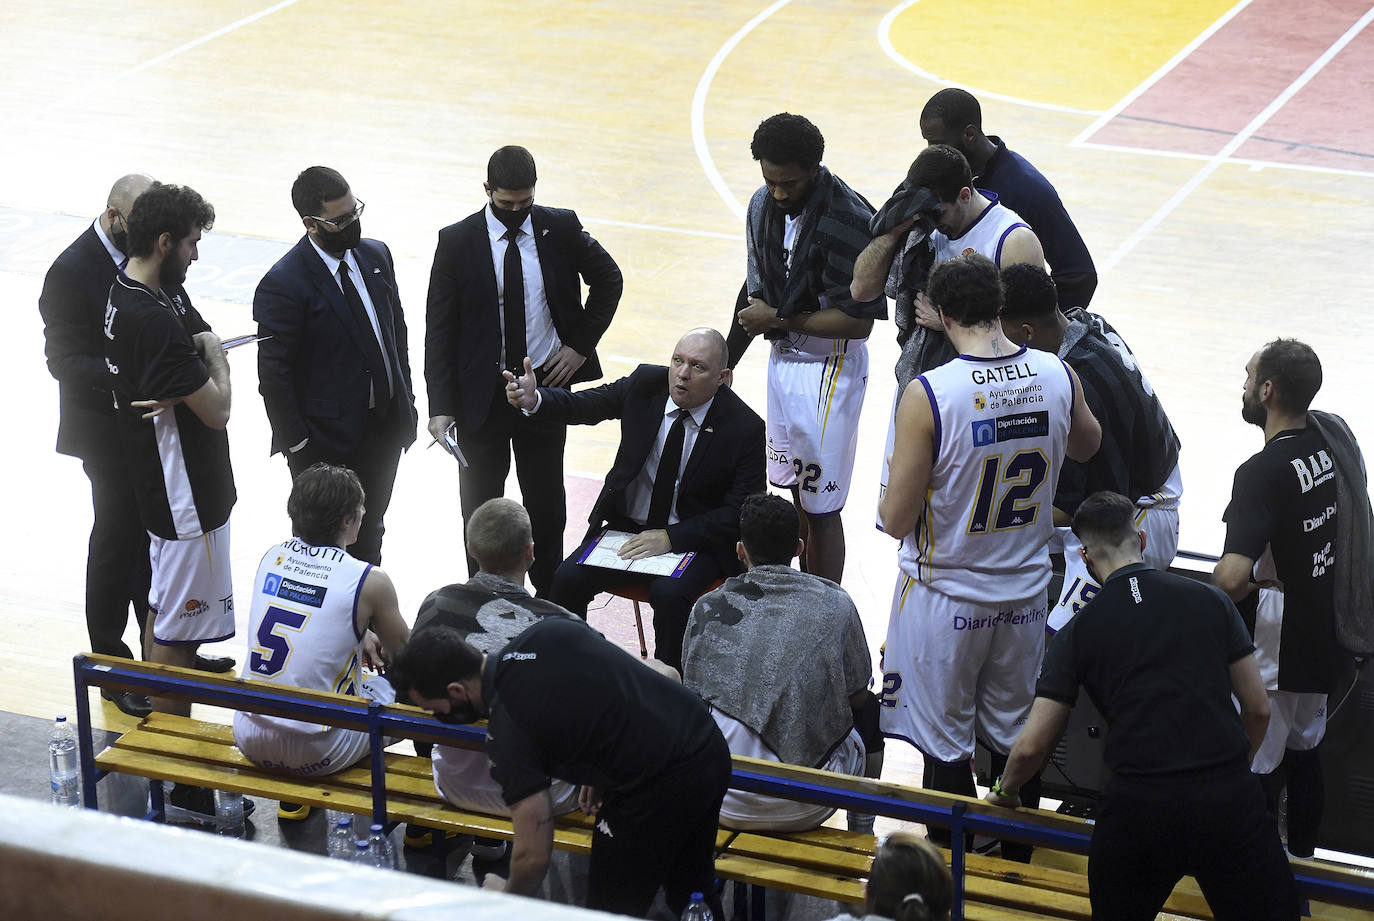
x=333 y=352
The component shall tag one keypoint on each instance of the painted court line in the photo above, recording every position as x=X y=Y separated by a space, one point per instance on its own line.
x=179 y=50
x=708 y=165
x=1243 y=161
x=1158 y=75
x=1234 y=144
x=885 y=41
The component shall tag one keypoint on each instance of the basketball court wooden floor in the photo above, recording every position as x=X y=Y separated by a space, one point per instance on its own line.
x=1217 y=158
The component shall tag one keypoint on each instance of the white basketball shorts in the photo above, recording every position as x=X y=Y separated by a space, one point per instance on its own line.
x=307 y=749
x=192 y=593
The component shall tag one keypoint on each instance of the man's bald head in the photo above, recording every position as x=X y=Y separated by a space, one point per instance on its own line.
x=698 y=367
x=125 y=190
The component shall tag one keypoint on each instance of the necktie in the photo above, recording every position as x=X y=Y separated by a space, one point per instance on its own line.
x=355 y=305
x=513 y=304
x=665 y=478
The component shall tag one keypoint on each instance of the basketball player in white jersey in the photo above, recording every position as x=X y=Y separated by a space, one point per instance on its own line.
x=318 y=615
x=980 y=441
x=971 y=221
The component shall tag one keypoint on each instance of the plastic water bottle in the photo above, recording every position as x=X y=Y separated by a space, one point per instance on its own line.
x=697 y=909
x=229 y=813
x=379 y=843
x=64 y=773
x=340 y=842
x=362 y=853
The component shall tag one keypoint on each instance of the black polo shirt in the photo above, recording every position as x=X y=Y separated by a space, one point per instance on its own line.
x=566 y=702
x=179 y=466
x=1154 y=652
x=1284 y=500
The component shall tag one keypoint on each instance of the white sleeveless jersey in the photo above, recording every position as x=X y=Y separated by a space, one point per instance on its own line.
x=301 y=628
x=985 y=235
x=1001 y=425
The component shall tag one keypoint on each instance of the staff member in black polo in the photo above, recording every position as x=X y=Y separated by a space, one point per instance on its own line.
x=1161 y=656
x=562 y=701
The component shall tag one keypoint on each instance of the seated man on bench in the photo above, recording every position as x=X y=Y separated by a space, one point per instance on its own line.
x=781 y=659
x=318 y=615
x=489 y=610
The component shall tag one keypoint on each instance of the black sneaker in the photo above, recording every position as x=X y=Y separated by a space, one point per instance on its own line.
x=484 y=864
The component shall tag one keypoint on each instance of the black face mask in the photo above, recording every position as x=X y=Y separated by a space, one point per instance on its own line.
x=458 y=713
x=338 y=242
x=120 y=238
x=512 y=219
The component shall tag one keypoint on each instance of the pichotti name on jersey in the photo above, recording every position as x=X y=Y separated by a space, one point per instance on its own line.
x=334 y=554
x=1016 y=619
x=1002 y=374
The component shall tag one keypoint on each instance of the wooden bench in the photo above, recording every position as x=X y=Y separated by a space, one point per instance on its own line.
x=826 y=862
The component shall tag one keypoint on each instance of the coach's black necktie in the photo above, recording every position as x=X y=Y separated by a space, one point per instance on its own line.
x=665 y=478
x=513 y=304
x=355 y=306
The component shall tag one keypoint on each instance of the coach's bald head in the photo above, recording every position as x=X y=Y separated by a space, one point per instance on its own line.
x=698 y=367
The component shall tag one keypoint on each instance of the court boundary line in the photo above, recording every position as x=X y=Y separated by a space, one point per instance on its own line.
x=177 y=51
x=698 y=112
x=1231 y=146
x=885 y=42
x=1144 y=86
x=1242 y=161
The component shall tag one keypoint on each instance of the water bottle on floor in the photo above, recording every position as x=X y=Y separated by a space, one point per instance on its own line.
x=340 y=841
x=380 y=845
x=64 y=773
x=362 y=853
x=697 y=909
x=229 y=814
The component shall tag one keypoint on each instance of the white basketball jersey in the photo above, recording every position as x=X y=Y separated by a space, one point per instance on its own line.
x=985 y=235
x=302 y=626
x=1001 y=425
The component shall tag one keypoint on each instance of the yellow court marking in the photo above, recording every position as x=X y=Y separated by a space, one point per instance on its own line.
x=1082 y=54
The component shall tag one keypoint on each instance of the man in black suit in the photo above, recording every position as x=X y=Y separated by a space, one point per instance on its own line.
x=334 y=359
x=72 y=303
x=685 y=420
x=468 y=343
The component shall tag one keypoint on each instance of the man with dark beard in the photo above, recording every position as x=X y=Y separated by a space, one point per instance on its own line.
x=334 y=356
x=171 y=388
x=803 y=231
x=1284 y=548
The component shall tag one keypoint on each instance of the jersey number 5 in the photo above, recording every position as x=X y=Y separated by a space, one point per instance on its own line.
x=273 y=647
x=1024 y=475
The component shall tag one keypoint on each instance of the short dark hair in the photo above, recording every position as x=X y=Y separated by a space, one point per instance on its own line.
x=1105 y=519
x=943 y=170
x=434 y=658
x=954 y=108
x=967 y=289
x=314 y=186
x=498 y=534
x=1295 y=371
x=174 y=209
x=787 y=138
x=321 y=499
x=905 y=865
x=768 y=527
x=1028 y=292
x=511 y=168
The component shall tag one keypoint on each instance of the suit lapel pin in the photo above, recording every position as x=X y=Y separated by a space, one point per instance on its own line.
x=708 y=430
x=544 y=232
x=376 y=271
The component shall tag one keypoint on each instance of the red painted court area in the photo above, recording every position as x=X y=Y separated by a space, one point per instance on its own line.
x=1215 y=92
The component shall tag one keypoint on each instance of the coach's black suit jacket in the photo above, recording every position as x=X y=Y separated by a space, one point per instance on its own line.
x=315 y=371
x=72 y=303
x=463 y=324
x=725 y=467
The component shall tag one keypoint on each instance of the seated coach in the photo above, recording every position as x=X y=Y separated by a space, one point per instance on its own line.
x=690 y=452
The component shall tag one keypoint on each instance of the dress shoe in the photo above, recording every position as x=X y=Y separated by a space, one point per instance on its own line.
x=215 y=664
x=136 y=705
